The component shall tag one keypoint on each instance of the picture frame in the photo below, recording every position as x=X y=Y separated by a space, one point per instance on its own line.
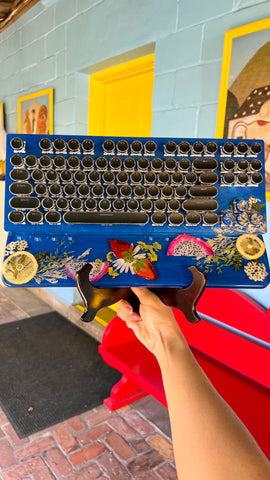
x=244 y=97
x=35 y=113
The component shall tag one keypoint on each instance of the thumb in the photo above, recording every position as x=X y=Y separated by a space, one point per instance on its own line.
x=145 y=296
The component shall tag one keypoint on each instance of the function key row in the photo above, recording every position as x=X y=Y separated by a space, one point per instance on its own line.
x=136 y=147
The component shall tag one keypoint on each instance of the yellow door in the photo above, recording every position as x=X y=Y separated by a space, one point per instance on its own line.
x=120 y=101
x=120 y=104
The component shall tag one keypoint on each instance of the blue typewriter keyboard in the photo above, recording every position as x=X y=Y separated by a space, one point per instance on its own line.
x=60 y=183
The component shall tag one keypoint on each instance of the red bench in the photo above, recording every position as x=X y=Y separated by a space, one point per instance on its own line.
x=232 y=345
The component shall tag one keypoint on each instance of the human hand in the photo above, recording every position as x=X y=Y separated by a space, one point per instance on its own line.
x=155 y=326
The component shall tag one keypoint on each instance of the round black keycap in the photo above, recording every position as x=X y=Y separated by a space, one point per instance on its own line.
x=193 y=218
x=129 y=163
x=34 y=216
x=191 y=177
x=229 y=164
x=256 y=164
x=94 y=176
x=159 y=218
x=146 y=205
x=88 y=144
x=45 y=161
x=98 y=190
x=257 y=177
x=228 y=178
x=170 y=163
x=174 y=204
x=136 y=146
x=24 y=203
x=184 y=147
x=53 y=217
x=16 y=216
x=153 y=191
x=177 y=177
x=16 y=160
x=205 y=163
x=170 y=147
x=73 y=162
x=84 y=190
x=181 y=191
x=125 y=191
x=16 y=143
x=211 y=147
x=157 y=163
x=55 y=189
x=73 y=144
x=108 y=145
x=139 y=191
x=108 y=177
x=150 y=146
x=136 y=177
x=45 y=144
x=69 y=189
x=59 y=144
x=143 y=163
x=76 y=203
x=122 y=177
x=208 y=177
x=242 y=164
x=160 y=204
x=210 y=218
x=115 y=163
x=19 y=174
x=62 y=203
x=51 y=175
x=133 y=204
x=59 y=161
x=101 y=163
x=150 y=177
x=242 y=177
x=90 y=203
x=87 y=162
x=21 y=188
x=104 y=204
x=184 y=163
x=47 y=203
x=66 y=175
x=167 y=191
x=242 y=147
x=31 y=161
x=198 y=147
x=118 y=204
x=80 y=176
x=112 y=190
x=228 y=147
x=122 y=146
x=176 y=218
x=163 y=177
x=41 y=189
x=37 y=175
x=256 y=148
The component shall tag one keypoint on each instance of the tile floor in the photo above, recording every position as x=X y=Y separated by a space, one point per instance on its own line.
x=133 y=442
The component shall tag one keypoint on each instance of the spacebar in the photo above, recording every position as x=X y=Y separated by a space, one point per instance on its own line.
x=112 y=218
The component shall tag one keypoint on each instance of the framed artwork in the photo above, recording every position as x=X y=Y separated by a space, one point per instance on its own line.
x=244 y=100
x=35 y=113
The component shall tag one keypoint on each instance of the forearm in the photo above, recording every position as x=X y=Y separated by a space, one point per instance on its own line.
x=209 y=440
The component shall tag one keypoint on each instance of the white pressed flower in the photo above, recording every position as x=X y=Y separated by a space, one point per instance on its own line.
x=125 y=264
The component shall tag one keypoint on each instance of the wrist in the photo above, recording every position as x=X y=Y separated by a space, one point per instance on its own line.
x=171 y=344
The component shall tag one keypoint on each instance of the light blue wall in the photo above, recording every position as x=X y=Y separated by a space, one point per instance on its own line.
x=57 y=43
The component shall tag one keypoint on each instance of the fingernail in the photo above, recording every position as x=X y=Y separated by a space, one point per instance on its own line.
x=128 y=309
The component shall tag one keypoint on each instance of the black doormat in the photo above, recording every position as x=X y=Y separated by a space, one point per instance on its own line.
x=50 y=371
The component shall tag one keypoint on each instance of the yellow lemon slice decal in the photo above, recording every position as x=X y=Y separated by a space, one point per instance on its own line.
x=250 y=246
x=20 y=267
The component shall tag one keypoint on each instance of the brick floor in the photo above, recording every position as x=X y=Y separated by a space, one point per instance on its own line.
x=97 y=445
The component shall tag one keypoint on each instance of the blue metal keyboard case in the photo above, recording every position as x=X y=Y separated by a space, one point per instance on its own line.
x=141 y=209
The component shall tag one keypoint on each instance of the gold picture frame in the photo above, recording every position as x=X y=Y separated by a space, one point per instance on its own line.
x=35 y=113
x=244 y=98
x=2 y=113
